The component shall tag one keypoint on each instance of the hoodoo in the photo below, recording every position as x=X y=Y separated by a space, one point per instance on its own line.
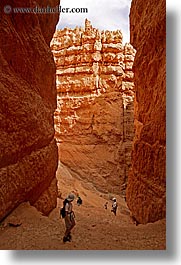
x=94 y=116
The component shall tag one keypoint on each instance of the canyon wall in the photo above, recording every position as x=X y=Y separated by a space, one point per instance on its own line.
x=146 y=190
x=94 y=116
x=28 y=152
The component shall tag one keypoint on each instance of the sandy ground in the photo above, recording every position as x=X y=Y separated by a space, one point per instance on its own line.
x=96 y=228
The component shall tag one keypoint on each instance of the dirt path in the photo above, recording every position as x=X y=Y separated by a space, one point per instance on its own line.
x=96 y=228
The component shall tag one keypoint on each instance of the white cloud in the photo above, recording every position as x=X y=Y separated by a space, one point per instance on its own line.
x=104 y=14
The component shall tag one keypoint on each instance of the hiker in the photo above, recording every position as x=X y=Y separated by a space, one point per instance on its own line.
x=114 y=206
x=105 y=205
x=79 y=201
x=69 y=217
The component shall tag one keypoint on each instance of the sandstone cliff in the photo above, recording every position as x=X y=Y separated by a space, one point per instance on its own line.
x=94 y=118
x=28 y=152
x=146 y=190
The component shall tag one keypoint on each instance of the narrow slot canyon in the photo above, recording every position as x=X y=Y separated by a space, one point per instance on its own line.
x=83 y=112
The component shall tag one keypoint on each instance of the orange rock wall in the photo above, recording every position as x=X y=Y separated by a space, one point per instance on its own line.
x=94 y=118
x=146 y=191
x=28 y=152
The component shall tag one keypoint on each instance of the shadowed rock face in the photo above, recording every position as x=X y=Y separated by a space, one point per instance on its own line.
x=146 y=191
x=95 y=91
x=28 y=152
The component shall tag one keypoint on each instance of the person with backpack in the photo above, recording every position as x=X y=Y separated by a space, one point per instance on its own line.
x=68 y=214
x=114 y=206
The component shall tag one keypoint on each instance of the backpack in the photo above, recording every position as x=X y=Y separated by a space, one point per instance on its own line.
x=79 y=201
x=62 y=210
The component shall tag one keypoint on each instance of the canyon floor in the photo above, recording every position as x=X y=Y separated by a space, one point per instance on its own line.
x=96 y=228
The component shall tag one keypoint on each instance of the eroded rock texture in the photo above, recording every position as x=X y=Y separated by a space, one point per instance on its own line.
x=94 y=118
x=146 y=192
x=28 y=152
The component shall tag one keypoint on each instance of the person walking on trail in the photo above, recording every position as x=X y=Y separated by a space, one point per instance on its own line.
x=114 y=206
x=69 y=217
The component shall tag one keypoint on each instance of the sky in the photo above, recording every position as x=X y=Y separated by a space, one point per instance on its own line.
x=103 y=14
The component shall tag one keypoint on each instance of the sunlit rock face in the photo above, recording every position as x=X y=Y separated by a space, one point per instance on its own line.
x=28 y=152
x=146 y=191
x=94 y=116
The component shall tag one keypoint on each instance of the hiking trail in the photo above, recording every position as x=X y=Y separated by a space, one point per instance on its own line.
x=96 y=228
